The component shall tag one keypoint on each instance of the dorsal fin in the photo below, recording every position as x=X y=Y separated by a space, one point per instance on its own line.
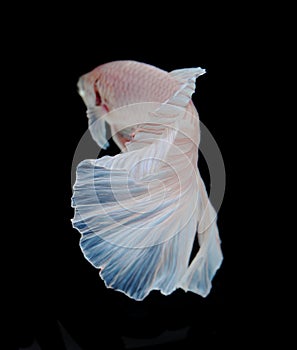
x=183 y=75
x=187 y=78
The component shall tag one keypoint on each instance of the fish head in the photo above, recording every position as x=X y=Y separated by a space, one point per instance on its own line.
x=93 y=89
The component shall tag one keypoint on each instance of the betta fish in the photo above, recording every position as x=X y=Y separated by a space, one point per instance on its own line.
x=140 y=211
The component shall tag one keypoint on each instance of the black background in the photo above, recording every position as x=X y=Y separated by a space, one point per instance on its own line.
x=52 y=284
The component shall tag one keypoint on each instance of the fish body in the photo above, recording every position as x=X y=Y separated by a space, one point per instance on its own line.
x=139 y=211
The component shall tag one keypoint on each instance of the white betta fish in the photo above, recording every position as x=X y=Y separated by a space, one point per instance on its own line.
x=139 y=211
